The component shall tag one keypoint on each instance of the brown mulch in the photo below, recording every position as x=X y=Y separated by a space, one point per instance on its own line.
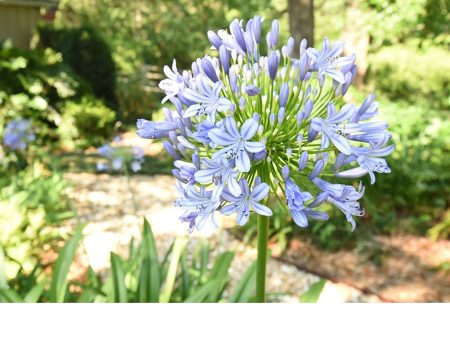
x=396 y=269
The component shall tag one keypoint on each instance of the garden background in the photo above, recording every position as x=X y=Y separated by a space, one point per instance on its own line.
x=86 y=70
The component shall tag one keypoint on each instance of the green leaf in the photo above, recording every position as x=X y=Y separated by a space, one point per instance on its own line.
x=204 y=258
x=118 y=277
x=10 y=296
x=92 y=289
x=38 y=103
x=58 y=284
x=220 y=272
x=143 y=291
x=204 y=292
x=313 y=293
x=178 y=249
x=185 y=278
x=131 y=250
x=150 y=253
x=246 y=286
x=35 y=293
x=165 y=262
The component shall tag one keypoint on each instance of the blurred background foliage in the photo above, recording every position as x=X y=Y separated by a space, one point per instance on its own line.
x=94 y=70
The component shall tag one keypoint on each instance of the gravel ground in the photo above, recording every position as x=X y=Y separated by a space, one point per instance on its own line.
x=105 y=203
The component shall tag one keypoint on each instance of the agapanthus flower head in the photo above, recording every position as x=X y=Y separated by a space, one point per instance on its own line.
x=119 y=158
x=247 y=123
x=18 y=133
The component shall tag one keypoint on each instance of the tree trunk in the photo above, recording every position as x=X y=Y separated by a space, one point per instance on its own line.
x=301 y=20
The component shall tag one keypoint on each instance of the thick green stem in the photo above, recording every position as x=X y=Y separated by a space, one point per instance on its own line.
x=261 y=260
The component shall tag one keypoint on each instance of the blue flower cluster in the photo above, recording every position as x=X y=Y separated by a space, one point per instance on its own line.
x=18 y=133
x=243 y=125
x=120 y=158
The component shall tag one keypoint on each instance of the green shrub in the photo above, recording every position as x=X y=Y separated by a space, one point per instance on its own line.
x=37 y=85
x=88 y=54
x=33 y=204
x=135 y=98
x=32 y=83
x=84 y=123
x=406 y=73
x=419 y=182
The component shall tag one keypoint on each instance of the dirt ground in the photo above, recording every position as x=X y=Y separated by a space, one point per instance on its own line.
x=408 y=269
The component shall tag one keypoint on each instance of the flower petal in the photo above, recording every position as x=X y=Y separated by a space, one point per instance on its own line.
x=261 y=209
x=299 y=218
x=221 y=137
x=254 y=147
x=249 y=129
x=243 y=214
x=231 y=128
x=242 y=161
x=230 y=209
x=260 y=192
x=234 y=187
x=206 y=175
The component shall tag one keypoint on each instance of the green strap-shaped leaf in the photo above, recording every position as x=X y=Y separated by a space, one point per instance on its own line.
x=35 y=293
x=246 y=286
x=313 y=293
x=204 y=292
x=66 y=256
x=150 y=253
x=220 y=272
x=185 y=278
x=118 y=277
x=10 y=296
x=178 y=249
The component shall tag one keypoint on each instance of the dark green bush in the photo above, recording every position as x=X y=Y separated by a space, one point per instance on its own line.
x=88 y=54
x=37 y=85
x=413 y=75
x=32 y=84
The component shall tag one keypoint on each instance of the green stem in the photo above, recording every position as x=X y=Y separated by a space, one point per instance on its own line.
x=261 y=260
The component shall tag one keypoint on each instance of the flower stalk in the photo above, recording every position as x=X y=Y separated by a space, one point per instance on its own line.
x=261 y=260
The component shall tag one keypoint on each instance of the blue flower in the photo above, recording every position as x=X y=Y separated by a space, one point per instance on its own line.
x=200 y=201
x=221 y=173
x=246 y=201
x=326 y=61
x=236 y=144
x=18 y=133
x=174 y=82
x=152 y=130
x=246 y=114
x=296 y=200
x=120 y=158
x=252 y=90
x=333 y=128
x=369 y=160
x=185 y=171
x=345 y=197
x=208 y=100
